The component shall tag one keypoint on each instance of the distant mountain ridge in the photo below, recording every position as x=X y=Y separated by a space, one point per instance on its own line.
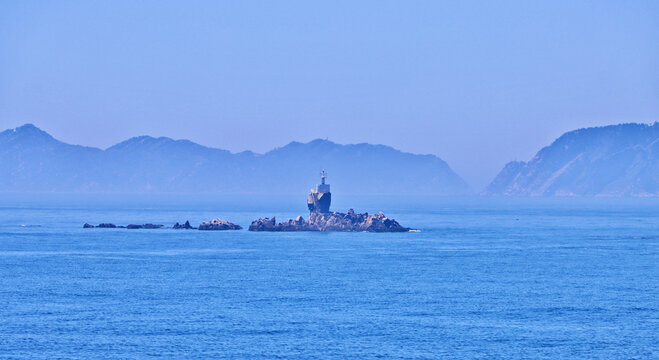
x=616 y=160
x=33 y=161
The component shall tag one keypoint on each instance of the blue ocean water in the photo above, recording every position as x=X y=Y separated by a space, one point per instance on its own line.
x=485 y=278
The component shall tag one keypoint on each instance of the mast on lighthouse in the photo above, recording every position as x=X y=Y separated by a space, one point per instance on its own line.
x=323 y=188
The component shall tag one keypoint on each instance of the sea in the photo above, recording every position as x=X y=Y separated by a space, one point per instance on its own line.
x=482 y=278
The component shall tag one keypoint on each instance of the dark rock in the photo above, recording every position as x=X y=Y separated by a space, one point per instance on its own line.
x=264 y=224
x=144 y=226
x=332 y=221
x=184 y=226
x=219 y=224
x=113 y=226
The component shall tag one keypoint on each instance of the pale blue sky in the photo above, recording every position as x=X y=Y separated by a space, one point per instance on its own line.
x=476 y=83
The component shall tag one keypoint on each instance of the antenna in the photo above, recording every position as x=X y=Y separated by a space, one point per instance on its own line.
x=323 y=175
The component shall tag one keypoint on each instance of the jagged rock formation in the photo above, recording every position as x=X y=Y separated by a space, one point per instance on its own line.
x=185 y=226
x=130 y=226
x=102 y=225
x=219 y=224
x=144 y=226
x=332 y=221
x=617 y=160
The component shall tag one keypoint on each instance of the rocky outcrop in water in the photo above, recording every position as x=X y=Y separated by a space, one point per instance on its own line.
x=185 y=226
x=219 y=224
x=332 y=221
x=102 y=225
x=130 y=226
x=144 y=226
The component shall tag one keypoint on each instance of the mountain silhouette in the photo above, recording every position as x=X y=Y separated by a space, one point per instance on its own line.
x=33 y=161
x=616 y=160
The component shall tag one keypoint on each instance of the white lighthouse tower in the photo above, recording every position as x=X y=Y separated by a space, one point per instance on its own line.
x=320 y=198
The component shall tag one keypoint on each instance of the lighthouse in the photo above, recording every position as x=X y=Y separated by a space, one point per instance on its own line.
x=320 y=198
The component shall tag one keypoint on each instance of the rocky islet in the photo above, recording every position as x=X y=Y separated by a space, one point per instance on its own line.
x=219 y=224
x=320 y=219
x=332 y=221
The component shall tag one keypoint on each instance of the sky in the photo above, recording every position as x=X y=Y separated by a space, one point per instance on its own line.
x=477 y=83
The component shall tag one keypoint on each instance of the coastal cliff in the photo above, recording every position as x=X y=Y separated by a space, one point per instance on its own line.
x=616 y=160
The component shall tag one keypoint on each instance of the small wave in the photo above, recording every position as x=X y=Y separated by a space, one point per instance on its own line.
x=122 y=254
x=30 y=226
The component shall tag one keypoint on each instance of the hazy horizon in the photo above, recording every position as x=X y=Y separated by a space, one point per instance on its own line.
x=491 y=191
x=477 y=84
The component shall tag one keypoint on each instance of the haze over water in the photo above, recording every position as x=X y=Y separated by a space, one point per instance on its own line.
x=484 y=278
x=166 y=96
x=477 y=83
